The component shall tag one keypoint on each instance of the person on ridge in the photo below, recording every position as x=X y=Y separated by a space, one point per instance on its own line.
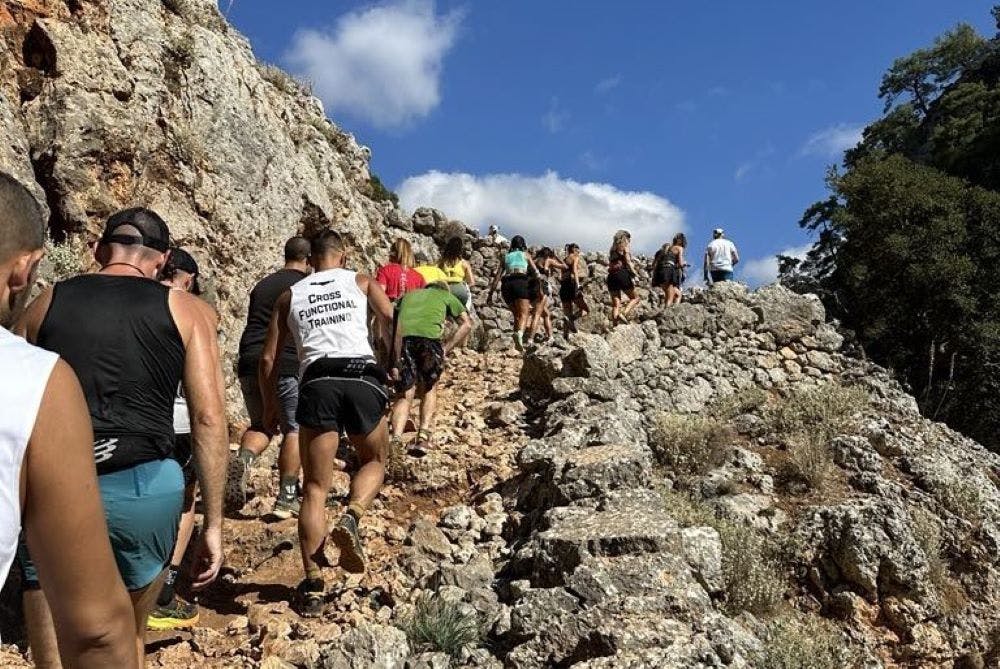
x=131 y=341
x=398 y=277
x=420 y=356
x=171 y=612
x=459 y=275
x=621 y=271
x=515 y=286
x=547 y=263
x=570 y=288
x=256 y=438
x=668 y=269
x=721 y=257
x=341 y=390
x=428 y=270
x=47 y=472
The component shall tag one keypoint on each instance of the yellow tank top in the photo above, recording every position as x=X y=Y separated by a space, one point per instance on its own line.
x=455 y=273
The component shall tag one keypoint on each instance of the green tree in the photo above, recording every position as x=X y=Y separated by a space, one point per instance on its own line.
x=909 y=239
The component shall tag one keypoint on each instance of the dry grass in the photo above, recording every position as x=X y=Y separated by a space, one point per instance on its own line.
x=442 y=626
x=824 y=410
x=690 y=444
x=804 y=642
x=810 y=463
x=927 y=533
x=64 y=260
x=747 y=400
x=963 y=498
x=752 y=572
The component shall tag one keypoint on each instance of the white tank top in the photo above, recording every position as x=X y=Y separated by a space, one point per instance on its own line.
x=328 y=316
x=24 y=374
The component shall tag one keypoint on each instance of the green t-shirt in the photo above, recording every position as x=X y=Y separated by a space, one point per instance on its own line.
x=422 y=312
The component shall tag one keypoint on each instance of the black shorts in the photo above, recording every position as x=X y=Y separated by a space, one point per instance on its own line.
x=421 y=362
x=668 y=275
x=351 y=405
x=185 y=457
x=516 y=287
x=569 y=290
x=620 y=282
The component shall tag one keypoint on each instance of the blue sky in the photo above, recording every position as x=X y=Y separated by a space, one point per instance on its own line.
x=567 y=120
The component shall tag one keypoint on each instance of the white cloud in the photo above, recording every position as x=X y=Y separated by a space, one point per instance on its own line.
x=555 y=118
x=760 y=271
x=608 y=84
x=547 y=209
x=592 y=161
x=744 y=169
x=833 y=141
x=382 y=63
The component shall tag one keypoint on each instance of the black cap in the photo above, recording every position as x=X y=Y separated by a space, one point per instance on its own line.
x=182 y=261
x=153 y=231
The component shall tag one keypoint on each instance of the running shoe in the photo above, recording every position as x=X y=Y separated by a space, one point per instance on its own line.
x=312 y=597
x=286 y=507
x=518 y=341
x=236 y=484
x=178 y=614
x=345 y=537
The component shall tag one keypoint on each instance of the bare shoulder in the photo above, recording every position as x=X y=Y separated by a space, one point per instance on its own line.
x=363 y=281
x=191 y=312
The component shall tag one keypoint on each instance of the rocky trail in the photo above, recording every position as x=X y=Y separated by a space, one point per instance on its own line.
x=249 y=615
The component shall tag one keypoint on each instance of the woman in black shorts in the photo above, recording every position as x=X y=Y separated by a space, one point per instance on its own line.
x=668 y=269
x=620 y=273
x=547 y=263
x=571 y=289
x=515 y=286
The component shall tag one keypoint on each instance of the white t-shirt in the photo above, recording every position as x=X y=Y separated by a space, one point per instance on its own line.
x=328 y=317
x=721 y=255
x=25 y=371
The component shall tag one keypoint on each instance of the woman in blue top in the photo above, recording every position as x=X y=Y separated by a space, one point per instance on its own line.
x=516 y=286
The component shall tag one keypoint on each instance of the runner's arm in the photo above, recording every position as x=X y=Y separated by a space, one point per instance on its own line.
x=736 y=256
x=470 y=276
x=67 y=534
x=267 y=371
x=496 y=281
x=31 y=320
x=380 y=305
x=464 y=326
x=204 y=388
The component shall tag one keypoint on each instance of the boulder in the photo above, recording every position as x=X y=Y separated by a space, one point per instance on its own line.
x=367 y=646
x=786 y=315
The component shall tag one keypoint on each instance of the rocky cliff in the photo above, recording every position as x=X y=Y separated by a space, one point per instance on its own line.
x=717 y=485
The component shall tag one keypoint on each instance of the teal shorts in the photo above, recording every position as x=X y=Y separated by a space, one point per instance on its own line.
x=142 y=506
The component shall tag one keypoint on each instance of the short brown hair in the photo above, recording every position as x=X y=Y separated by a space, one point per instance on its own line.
x=22 y=227
x=327 y=241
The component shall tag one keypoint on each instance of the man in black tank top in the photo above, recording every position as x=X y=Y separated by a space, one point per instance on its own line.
x=130 y=341
x=257 y=437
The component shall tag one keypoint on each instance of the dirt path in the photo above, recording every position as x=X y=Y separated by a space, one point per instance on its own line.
x=263 y=562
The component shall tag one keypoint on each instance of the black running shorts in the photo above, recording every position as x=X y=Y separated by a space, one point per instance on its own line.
x=351 y=405
x=421 y=362
x=516 y=287
x=569 y=290
x=620 y=282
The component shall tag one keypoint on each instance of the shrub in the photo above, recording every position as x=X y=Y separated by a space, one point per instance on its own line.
x=279 y=79
x=380 y=193
x=822 y=411
x=689 y=444
x=440 y=625
x=927 y=533
x=963 y=498
x=751 y=570
x=810 y=462
x=747 y=400
x=804 y=642
x=65 y=259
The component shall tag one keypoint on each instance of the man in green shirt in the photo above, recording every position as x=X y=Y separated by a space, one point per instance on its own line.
x=419 y=354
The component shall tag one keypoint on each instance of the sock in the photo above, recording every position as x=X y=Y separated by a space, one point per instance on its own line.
x=289 y=487
x=314 y=574
x=246 y=455
x=169 y=584
x=356 y=509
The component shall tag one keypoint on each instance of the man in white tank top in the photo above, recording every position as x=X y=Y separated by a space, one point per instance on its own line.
x=341 y=390
x=47 y=478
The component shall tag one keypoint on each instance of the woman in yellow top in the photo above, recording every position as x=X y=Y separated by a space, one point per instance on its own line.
x=457 y=270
